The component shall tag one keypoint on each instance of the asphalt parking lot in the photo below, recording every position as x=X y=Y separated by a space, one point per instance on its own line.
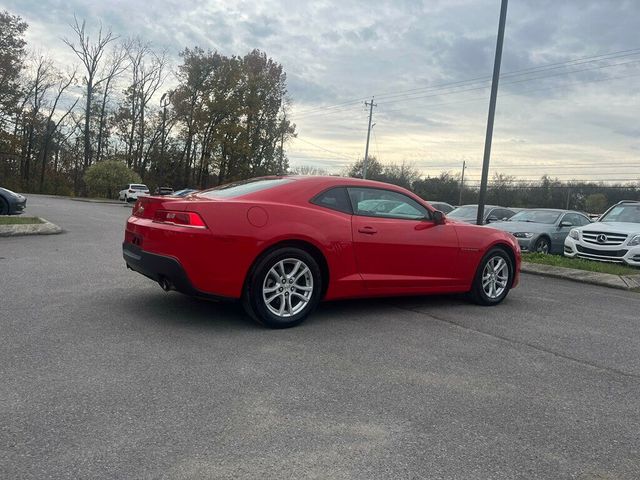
x=103 y=375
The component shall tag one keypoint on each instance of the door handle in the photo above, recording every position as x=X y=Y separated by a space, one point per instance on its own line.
x=367 y=230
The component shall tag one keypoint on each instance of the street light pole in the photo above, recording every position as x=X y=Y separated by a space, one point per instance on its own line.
x=492 y=112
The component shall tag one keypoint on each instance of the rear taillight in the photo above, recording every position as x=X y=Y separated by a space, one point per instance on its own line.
x=138 y=209
x=131 y=191
x=182 y=219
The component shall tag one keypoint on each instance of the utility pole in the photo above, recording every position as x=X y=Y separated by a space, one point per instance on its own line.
x=282 y=132
x=464 y=165
x=366 y=150
x=164 y=103
x=492 y=112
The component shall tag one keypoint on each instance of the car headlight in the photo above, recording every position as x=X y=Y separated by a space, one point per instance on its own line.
x=523 y=234
x=635 y=241
x=575 y=234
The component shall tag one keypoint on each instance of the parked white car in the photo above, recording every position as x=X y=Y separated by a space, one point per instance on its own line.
x=132 y=191
x=615 y=237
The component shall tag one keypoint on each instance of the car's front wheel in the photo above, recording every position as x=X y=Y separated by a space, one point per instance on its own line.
x=493 y=279
x=284 y=288
x=542 y=245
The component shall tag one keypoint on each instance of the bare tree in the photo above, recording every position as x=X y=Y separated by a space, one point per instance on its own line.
x=40 y=84
x=91 y=55
x=147 y=76
x=116 y=65
x=51 y=127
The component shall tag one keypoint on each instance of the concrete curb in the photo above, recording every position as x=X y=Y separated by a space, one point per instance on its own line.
x=96 y=200
x=621 y=282
x=45 y=228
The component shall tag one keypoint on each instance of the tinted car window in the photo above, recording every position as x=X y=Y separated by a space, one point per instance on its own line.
x=335 y=199
x=503 y=213
x=367 y=201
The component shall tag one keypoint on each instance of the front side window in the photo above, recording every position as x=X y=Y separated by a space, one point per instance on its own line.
x=375 y=202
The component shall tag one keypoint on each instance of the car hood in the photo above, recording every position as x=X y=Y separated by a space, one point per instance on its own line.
x=613 y=227
x=513 y=227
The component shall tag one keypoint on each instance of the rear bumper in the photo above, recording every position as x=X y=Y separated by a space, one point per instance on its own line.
x=161 y=268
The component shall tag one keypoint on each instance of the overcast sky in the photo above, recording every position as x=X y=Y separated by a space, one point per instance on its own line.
x=410 y=54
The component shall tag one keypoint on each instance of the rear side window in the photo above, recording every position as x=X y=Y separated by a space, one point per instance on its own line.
x=238 y=189
x=335 y=199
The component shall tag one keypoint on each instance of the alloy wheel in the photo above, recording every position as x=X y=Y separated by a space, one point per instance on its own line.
x=495 y=277
x=287 y=287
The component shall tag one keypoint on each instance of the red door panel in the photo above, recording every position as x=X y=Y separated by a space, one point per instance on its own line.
x=417 y=255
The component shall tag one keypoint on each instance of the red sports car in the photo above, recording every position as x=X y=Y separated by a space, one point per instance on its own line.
x=282 y=244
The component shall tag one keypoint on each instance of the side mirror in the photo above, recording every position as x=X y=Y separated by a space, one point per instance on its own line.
x=566 y=224
x=438 y=217
x=492 y=218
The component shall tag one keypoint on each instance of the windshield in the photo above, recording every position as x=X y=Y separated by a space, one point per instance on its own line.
x=237 y=189
x=139 y=187
x=623 y=213
x=536 y=216
x=468 y=211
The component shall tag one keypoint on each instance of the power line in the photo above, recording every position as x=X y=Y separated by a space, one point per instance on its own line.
x=545 y=67
x=343 y=156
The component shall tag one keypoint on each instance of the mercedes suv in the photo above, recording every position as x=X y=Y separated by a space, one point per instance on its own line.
x=615 y=237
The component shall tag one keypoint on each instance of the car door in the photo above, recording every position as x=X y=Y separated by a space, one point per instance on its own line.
x=402 y=249
x=560 y=232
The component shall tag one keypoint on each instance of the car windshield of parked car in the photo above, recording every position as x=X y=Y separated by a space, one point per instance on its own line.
x=468 y=211
x=623 y=213
x=238 y=189
x=139 y=187
x=536 y=216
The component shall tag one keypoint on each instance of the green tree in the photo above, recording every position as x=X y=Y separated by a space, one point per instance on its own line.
x=106 y=179
x=12 y=53
x=596 y=203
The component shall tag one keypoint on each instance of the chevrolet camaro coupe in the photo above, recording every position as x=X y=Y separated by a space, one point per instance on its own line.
x=283 y=244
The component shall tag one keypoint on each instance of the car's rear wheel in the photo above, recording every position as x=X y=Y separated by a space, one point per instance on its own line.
x=4 y=207
x=284 y=288
x=493 y=279
x=542 y=245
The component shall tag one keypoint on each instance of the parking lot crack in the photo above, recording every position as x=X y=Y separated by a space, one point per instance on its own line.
x=563 y=356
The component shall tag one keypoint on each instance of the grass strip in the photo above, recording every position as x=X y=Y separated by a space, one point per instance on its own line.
x=580 y=264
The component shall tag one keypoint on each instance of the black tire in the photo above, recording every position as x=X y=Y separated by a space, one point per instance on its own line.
x=478 y=293
x=262 y=277
x=543 y=245
x=4 y=207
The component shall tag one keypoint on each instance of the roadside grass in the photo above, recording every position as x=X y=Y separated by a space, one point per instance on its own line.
x=580 y=264
x=19 y=220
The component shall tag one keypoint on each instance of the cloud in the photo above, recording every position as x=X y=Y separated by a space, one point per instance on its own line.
x=337 y=52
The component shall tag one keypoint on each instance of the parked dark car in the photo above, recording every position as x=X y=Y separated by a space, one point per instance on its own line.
x=444 y=207
x=184 y=192
x=163 y=191
x=492 y=213
x=542 y=230
x=11 y=203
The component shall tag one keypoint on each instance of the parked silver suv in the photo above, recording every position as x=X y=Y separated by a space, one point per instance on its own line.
x=615 y=237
